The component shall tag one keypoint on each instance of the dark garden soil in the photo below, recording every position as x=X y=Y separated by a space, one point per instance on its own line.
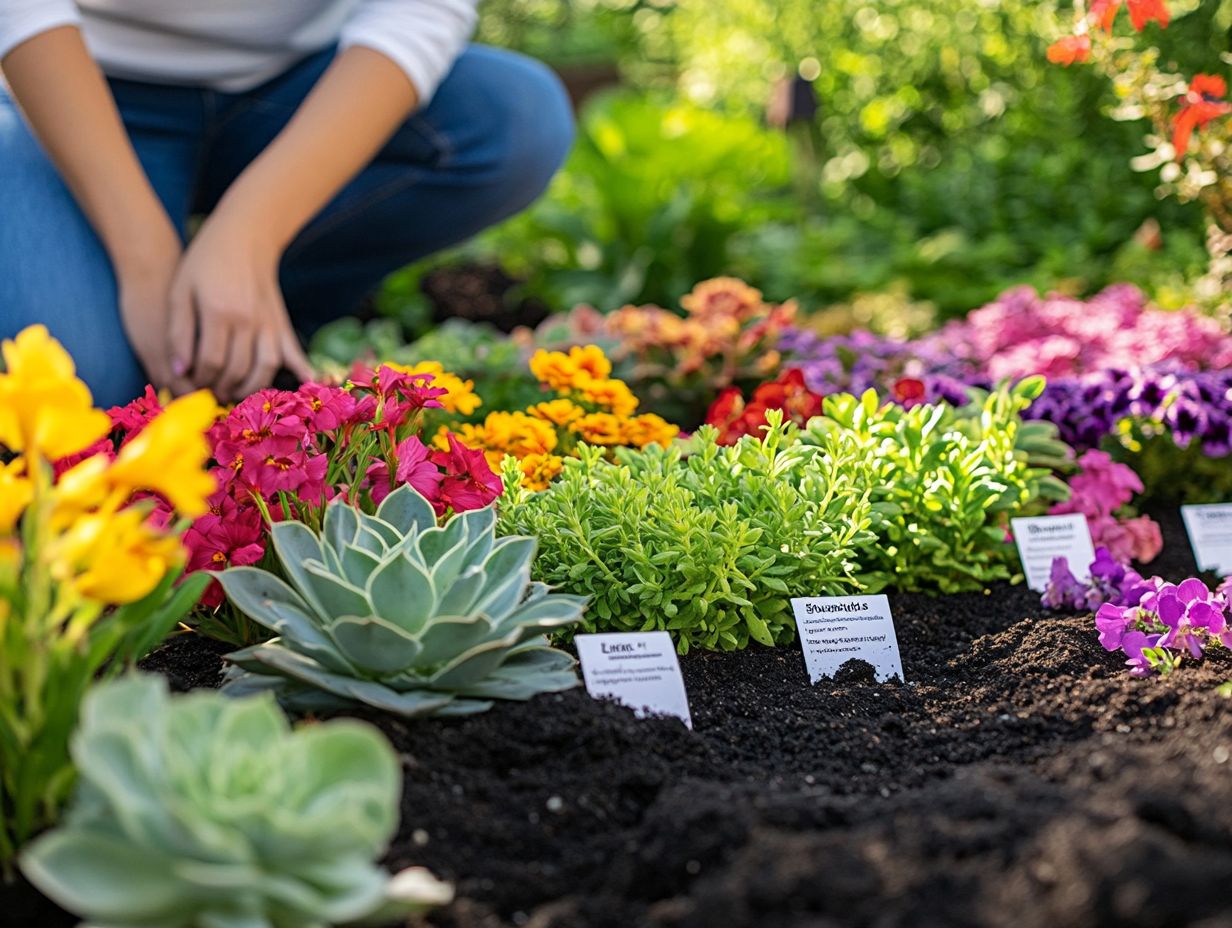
x=481 y=293
x=1020 y=778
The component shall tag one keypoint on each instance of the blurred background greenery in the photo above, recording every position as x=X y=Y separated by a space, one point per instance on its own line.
x=946 y=160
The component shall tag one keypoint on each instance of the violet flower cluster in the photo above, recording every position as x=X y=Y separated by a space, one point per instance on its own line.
x=1169 y=623
x=1109 y=581
x=1192 y=406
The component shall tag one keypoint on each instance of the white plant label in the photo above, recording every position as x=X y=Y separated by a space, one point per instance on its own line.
x=1042 y=538
x=836 y=629
x=1210 y=534
x=637 y=669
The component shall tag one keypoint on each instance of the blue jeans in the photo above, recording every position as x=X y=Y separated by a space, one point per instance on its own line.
x=486 y=146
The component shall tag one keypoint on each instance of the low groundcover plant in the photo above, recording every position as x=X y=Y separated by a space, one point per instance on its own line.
x=709 y=546
x=201 y=811
x=390 y=611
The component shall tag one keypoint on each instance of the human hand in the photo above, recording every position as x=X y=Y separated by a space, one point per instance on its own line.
x=228 y=327
x=143 y=276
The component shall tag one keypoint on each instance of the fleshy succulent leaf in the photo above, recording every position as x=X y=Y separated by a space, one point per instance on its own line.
x=407 y=511
x=374 y=645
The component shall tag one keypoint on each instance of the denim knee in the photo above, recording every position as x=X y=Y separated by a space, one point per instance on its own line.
x=519 y=123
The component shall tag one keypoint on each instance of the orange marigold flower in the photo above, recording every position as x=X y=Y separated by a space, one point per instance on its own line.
x=1203 y=103
x=1142 y=12
x=613 y=395
x=649 y=429
x=539 y=470
x=600 y=428
x=518 y=434
x=563 y=371
x=1070 y=50
x=460 y=398
x=559 y=412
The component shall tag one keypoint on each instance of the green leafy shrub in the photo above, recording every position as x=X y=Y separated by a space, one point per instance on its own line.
x=200 y=810
x=392 y=612
x=709 y=547
x=944 y=483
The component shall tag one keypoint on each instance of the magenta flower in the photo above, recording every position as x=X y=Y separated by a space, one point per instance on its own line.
x=413 y=465
x=469 y=482
x=329 y=408
x=1133 y=644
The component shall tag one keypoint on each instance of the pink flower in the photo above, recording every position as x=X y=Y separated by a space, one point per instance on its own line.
x=103 y=446
x=469 y=482
x=329 y=408
x=413 y=465
x=231 y=534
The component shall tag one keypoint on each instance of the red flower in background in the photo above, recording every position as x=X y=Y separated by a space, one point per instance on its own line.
x=734 y=418
x=1141 y=12
x=1070 y=49
x=909 y=392
x=1203 y=103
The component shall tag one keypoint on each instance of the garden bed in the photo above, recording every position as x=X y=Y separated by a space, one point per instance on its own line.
x=1021 y=778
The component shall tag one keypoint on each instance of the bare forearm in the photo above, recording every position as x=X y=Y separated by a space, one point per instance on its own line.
x=353 y=110
x=69 y=107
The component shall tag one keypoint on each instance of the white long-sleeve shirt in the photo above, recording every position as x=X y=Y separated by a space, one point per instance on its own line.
x=236 y=44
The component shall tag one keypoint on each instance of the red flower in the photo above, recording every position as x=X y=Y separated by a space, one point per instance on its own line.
x=1203 y=103
x=727 y=415
x=137 y=414
x=734 y=418
x=103 y=446
x=1070 y=49
x=909 y=392
x=469 y=482
x=1141 y=12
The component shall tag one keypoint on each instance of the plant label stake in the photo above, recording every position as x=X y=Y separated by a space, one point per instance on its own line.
x=638 y=670
x=837 y=629
x=1210 y=534
x=1042 y=538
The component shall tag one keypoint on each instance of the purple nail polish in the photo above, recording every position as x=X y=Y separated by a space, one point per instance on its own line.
x=178 y=367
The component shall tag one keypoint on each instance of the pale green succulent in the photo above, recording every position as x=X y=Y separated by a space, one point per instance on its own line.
x=393 y=612
x=201 y=811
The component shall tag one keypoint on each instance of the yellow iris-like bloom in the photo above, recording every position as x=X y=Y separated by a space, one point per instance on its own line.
x=16 y=491
x=461 y=398
x=169 y=454
x=44 y=408
x=113 y=557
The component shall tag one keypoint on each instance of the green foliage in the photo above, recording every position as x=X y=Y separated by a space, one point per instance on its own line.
x=647 y=205
x=709 y=547
x=392 y=612
x=1171 y=475
x=47 y=662
x=200 y=810
x=944 y=483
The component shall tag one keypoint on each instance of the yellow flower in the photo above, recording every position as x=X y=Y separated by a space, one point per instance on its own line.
x=44 y=408
x=649 y=429
x=600 y=428
x=460 y=399
x=168 y=456
x=569 y=371
x=113 y=558
x=538 y=470
x=16 y=491
x=471 y=435
x=558 y=412
x=613 y=395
